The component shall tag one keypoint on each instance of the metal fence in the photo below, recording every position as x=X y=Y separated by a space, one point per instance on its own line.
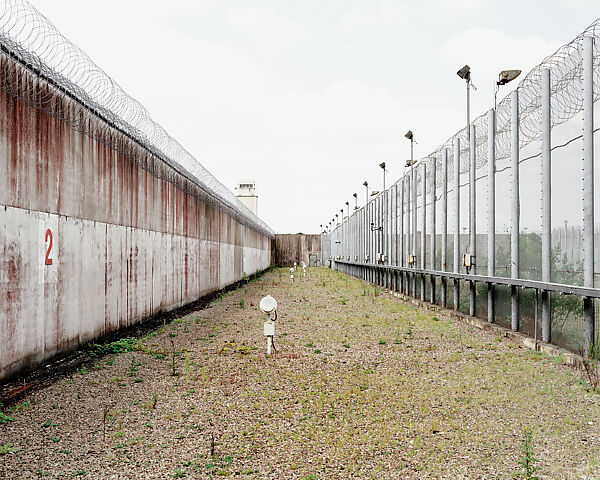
x=34 y=42
x=499 y=221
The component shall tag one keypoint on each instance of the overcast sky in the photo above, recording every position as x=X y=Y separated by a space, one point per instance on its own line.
x=308 y=97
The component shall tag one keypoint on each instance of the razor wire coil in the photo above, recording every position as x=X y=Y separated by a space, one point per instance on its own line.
x=31 y=44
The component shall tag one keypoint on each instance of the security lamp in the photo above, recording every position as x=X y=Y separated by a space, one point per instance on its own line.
x=506 y=76
x=354 y=195
x=382 y=165
x=268 y=304
x=409 y=135
x=348 y=203
x=465 y=73
x=365 y=183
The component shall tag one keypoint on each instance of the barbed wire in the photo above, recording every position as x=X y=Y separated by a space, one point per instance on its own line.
x=38 y=61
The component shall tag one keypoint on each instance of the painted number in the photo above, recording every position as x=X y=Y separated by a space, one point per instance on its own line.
x=48 y=240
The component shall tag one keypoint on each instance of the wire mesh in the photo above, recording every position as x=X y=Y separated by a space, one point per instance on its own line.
x=31 y=44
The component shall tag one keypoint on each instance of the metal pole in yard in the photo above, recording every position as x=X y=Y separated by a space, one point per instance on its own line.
x=414 y=220
x=423 y=226
x=456 y=219
x=401 y=253
x=588 y=190
x=546 y=205
x=432 y=228
x=472 y=219
x=491 y=246
x=444 y=224
x=515 y=208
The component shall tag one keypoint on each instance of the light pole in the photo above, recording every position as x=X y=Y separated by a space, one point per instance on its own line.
x=355 y=201
x=413 y=190
x=348 y=208
x=382 y=166
x=465 y=74
x=504 y=77
x=366 y=184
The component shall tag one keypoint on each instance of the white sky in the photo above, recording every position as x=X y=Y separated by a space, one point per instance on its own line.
x=308 y=97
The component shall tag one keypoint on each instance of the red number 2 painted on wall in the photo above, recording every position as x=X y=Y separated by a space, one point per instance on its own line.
x=48 y=238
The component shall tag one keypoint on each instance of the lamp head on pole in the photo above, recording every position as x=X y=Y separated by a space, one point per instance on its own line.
x=506 y=76
x=365 y=183
x=382 y=165
x=465 y=73
x=409 y=135
x=354 y=195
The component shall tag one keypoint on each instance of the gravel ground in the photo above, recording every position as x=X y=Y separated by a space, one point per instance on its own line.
x=362 y=386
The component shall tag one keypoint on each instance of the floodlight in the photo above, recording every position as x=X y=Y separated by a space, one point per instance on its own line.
x=465 y=73
x=354 y=195
x=268 y=304
x=506 y=76
x=347 y=203
x=409 y=135
x=382 y=165
x=365 y=183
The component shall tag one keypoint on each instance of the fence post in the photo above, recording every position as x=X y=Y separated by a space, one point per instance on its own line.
x=401 y=233
x=414 y=228
x=432 y=228
x=472 y=218
x=423 y=226
x=588 y=190
x=456 y=220
x=444 y=224
x=546 y=204
x=393 y=233
x=409 y=246
x=515 y=208
x=491 y=246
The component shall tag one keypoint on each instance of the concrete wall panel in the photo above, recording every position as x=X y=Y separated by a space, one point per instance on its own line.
x=127 y=241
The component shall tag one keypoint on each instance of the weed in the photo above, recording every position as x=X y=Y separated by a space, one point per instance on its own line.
x=83 y=371
x=118 y=346
x=188 y=368
x=317 y=351
x=48 y=423
x=382 y=341
x=591 y=365
x=8 y=448
x=133 y=366
x=79 y=473
x=173 y=366
x=18 y=408
x=346 y=345
x=528 y=460
x=242 y=303
x=5 y=418
x=244 y=349
x=409 y=330
x=179 y=473
x=55 y=439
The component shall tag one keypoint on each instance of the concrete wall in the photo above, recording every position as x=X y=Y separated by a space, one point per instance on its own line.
x=93 y=239
x=290 y=248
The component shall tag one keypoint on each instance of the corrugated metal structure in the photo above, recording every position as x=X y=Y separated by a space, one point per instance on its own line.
x=99 y=230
